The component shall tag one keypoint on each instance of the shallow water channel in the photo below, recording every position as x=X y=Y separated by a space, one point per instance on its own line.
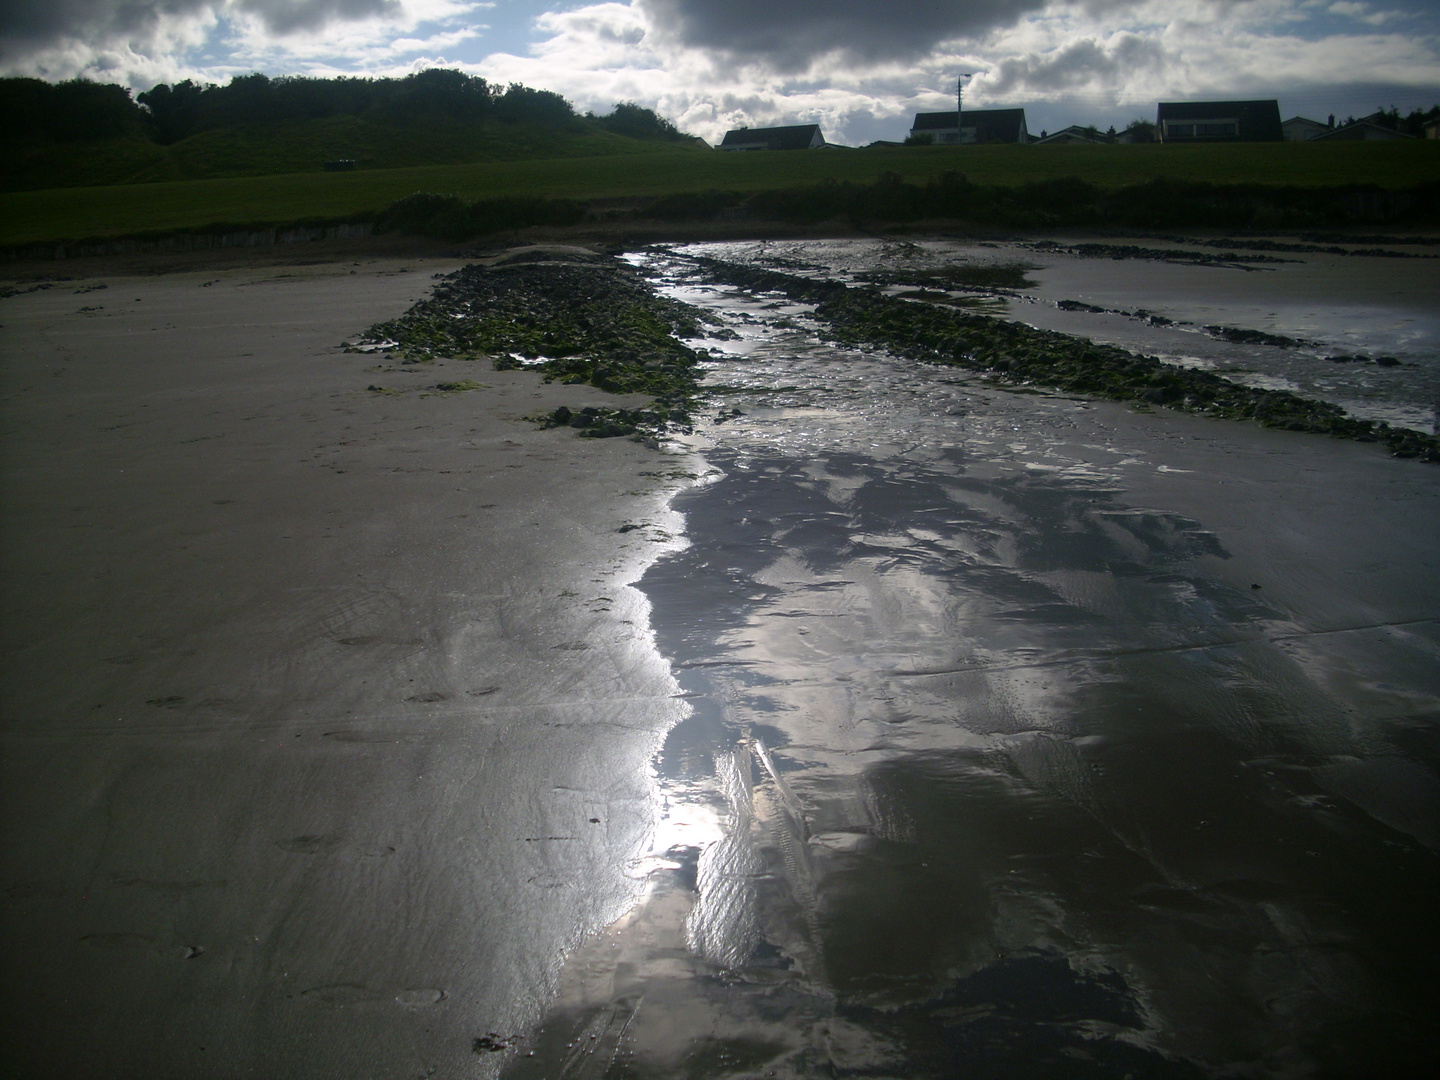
x=988 y=768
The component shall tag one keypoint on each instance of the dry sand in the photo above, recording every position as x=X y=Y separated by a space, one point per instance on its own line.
x=319 y=703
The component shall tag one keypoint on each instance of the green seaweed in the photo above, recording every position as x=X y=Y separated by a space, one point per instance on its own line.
x=594 y=322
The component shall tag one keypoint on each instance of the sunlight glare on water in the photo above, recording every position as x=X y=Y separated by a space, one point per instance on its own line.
x=989 y=769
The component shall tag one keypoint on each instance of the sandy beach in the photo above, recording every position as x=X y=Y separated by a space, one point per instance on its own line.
x=319 y=703
x=893 y=721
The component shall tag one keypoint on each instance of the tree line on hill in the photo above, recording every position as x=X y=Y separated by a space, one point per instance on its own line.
x=1412 y=123
x=36 y=111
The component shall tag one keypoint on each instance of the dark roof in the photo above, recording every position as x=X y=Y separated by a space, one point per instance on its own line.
x=798 y=137
x=991 y=125
x=929 y=121
x=1258 y=121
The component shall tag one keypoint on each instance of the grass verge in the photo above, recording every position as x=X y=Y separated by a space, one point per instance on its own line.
x=69 y=214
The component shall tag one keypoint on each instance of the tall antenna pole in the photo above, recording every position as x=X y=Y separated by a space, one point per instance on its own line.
x=960 y=102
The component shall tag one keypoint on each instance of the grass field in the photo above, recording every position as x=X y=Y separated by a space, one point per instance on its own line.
x=121 y=210
x=301 y=147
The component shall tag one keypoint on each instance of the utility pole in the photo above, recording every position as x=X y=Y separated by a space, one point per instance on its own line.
x=960 y=101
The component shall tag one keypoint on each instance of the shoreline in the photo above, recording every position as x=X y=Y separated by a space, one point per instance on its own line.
x=24 y=263
x=330 y=714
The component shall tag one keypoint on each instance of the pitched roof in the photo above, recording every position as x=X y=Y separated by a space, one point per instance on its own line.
x=930 y=121
x=1256 y=121
x=991 y=125
x=1363 y=129
x=1076 y=133
x=1302 y=128
x=797 y=137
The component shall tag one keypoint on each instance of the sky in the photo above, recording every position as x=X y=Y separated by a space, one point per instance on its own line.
x=859 y=68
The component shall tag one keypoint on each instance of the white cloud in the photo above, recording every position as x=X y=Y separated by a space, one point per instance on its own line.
x=858 y=67
x=138 y=42
x=1366 y=13
x=1102 y=60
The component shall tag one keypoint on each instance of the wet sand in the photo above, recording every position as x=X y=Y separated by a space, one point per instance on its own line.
x=321 y=705
x=992 y=771
x=1029 y=736
x=967 y=730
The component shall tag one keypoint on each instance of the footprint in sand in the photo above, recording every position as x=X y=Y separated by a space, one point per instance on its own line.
x=420 y=998
x=339 y=995
x=118 y=941
x=309 y=844
x=342 y=995
x=122 y=942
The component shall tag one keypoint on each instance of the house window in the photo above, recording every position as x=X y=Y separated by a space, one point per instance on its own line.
x=1202 y=129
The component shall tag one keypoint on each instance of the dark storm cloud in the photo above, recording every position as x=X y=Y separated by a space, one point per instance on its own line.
x=31 y=24
x=43 y=22
x=789 y=34
x=283 y=16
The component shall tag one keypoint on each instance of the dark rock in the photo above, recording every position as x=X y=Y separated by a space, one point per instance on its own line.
x=594 y=322
x=1255 y=337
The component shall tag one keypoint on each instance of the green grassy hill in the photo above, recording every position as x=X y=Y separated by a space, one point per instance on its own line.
x=591 y=167
x=302 y=146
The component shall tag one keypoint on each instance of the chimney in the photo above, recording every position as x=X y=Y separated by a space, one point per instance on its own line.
x=1332 y=120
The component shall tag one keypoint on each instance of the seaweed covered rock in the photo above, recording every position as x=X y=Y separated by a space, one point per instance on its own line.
x=595 y=322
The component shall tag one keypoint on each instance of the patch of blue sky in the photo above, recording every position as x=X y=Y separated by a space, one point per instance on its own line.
x=509 y=28
x=1347 y=18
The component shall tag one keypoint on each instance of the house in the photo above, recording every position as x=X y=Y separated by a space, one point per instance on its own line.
x=1299 y=129
x=1219 y=121
x=798 y=137
x=1432 y=129
x=977 y=126
x=1073 y=134
x=1367 y=127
